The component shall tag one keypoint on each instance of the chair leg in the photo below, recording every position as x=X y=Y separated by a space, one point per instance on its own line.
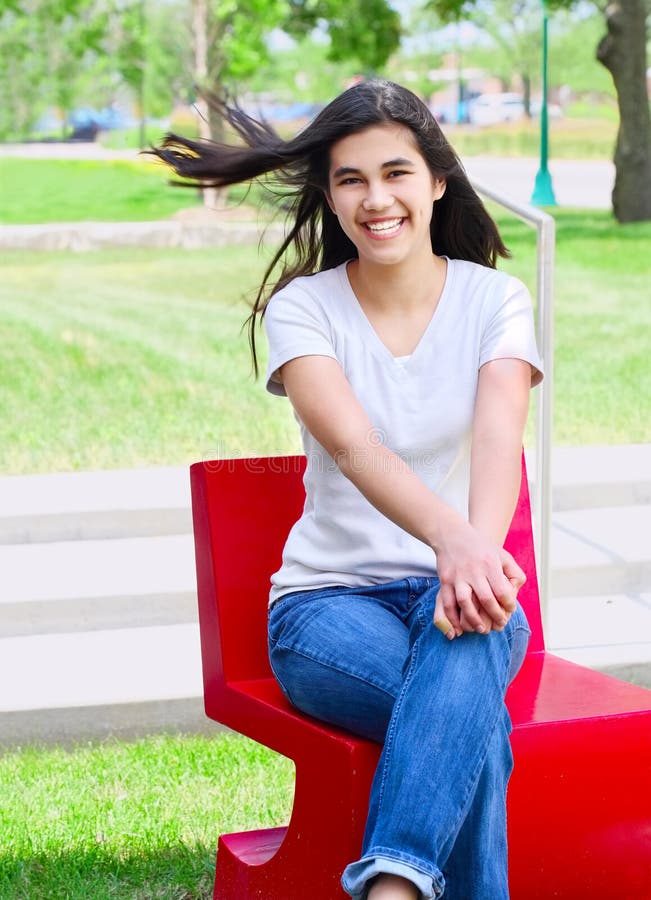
x=325 y=833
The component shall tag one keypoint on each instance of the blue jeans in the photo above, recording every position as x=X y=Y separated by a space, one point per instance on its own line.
x=370 y=660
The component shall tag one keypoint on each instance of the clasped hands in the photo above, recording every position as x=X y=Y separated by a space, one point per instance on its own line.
x=479 y=584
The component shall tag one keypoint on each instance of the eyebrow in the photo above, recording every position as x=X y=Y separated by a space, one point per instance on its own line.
x=390 y=164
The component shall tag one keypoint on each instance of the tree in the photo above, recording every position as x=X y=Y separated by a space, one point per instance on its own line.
x=230 y=38
x=45 y=45
x=623 y=51
x=511 y=25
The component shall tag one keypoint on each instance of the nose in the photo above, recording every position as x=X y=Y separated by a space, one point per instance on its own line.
x=378 y=196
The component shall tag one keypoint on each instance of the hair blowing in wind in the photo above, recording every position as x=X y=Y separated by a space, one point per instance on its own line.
x=461 y=227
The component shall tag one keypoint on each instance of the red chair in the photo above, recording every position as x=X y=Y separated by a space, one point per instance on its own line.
x=579 y=807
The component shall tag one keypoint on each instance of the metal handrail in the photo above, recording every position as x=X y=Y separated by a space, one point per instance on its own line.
x=542 y=492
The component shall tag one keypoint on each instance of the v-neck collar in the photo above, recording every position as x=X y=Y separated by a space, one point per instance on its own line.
x=376 y=342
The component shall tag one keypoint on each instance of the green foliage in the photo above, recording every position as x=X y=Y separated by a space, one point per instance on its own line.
x=572 y=61
x=366 y=30
x=304 y=73
x=58 y=54
x=44 y=44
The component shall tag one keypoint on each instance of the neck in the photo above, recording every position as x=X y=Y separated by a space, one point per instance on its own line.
x=403 y=286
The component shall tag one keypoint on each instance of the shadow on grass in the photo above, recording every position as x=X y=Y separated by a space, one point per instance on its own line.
x=174 y=873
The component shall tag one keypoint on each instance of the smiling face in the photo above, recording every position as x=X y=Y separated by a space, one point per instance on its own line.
x=383 y=192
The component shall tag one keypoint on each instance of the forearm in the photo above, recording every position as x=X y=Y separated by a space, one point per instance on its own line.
x=494 y=486
x=394 y=489
x=330 y=411
x=498 y=427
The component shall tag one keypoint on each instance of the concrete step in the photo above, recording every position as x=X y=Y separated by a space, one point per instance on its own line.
x=98 y=630
x=142 y=502
x=586 y=477
x=93 y=505
x=602 y=631
x=601 y=551
x=78 y=685
x=89 y=585
x=128 y=582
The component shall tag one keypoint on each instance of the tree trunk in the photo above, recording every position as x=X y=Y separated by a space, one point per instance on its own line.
x=526 y=93
x=623 y=52
x=200 y=48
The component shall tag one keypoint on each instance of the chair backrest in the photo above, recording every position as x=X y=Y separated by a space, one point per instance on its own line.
x=242 y=512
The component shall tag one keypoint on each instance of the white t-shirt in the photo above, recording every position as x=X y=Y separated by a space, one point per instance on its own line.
x=421 y=407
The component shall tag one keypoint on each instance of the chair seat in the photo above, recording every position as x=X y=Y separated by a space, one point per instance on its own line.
x=548 y=690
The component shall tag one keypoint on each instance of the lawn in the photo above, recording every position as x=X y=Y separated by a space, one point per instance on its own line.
x=132 y=820
x=36 y=191
x=580 y=138
x=131 y=357
x=137 y=357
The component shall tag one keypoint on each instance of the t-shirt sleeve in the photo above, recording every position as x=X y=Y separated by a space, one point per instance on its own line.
x=296 y=326
x=510 y=333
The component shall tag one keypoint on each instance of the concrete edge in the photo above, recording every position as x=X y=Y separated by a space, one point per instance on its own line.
x=126 y=721
x=84 y=614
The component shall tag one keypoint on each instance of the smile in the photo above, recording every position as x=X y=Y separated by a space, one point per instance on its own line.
x=386 y=228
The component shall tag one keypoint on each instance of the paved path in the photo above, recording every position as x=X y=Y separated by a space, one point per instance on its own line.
x=587 y=184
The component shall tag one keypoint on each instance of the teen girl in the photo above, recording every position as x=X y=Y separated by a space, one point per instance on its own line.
x=408 y=360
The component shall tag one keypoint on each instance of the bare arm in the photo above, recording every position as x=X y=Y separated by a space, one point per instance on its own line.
x=469 y=563
x=498 y=425
x=500 y=416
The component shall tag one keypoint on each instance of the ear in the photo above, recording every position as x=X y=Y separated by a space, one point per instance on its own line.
x=328 y=197
x=440 y=185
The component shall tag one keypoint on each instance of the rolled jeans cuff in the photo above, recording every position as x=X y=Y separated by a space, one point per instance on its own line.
x=358 y=874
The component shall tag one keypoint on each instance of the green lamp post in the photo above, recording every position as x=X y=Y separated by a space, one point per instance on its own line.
x=543 y=191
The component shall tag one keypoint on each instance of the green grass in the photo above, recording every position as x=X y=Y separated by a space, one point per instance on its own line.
x=36 y=191
x=132 y=820
x=568 y=139
x=602 y=383
x=131 y=357
x=137 y=357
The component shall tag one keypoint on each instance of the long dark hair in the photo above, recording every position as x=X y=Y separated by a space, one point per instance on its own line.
x=460 y=229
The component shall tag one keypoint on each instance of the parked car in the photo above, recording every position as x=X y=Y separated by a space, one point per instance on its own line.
x=554 y=111
x=491 y=109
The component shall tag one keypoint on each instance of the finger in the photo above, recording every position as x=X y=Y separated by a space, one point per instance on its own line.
x=489 y=605
x=464 y=598
x=507 y=616
x=444 y=626
x=512 y=570
x=503 y=591
x=446 y=614
x=488 y=625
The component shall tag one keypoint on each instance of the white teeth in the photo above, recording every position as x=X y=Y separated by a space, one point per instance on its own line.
x=389 y=225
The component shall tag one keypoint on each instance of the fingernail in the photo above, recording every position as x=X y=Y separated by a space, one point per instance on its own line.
x=480 y=629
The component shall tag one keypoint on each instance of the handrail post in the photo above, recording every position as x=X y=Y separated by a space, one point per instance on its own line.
x=542 y=494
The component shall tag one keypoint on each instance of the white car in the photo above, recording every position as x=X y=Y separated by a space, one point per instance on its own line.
x=491 y=109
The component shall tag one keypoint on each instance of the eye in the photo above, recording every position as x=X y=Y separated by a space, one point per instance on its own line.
x=350 y=179
x=396 y=173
